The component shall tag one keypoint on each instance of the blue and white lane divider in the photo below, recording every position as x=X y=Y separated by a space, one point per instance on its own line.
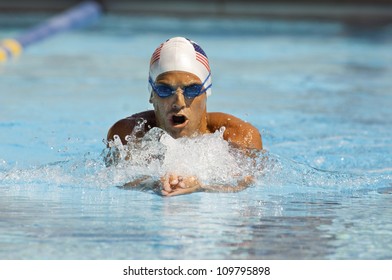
x=79 y=16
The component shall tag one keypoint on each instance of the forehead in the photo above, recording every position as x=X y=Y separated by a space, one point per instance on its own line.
x=178 y=77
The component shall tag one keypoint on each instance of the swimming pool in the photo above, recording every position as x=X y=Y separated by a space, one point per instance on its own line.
x=319 y=92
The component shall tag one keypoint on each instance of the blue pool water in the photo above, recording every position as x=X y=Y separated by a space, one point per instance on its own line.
x=320 y=93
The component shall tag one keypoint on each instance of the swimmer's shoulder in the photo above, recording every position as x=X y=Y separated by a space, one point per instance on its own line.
x=124 y=127
x=237 y=131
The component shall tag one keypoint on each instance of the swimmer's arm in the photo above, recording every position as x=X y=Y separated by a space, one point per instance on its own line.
x=145 y=183
x=238 y=133
x=175 y=186
x=241 y=185
x=124 y=127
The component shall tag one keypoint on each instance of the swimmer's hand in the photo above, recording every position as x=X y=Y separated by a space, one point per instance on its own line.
x=173 y=184
x=169 y=185
x=177 y=185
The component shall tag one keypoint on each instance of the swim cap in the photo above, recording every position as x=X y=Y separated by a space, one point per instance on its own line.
x=181 y=54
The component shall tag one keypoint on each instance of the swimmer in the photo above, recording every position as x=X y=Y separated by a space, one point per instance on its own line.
x=179 y=83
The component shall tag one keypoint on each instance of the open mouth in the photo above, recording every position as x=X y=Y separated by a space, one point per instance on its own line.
x=178 y=120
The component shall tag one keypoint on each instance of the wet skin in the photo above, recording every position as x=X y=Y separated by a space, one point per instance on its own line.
x=180 y=116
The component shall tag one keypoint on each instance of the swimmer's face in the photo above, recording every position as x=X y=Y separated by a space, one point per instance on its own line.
x=177 y=115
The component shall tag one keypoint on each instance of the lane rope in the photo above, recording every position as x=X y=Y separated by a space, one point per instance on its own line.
x=76 y=17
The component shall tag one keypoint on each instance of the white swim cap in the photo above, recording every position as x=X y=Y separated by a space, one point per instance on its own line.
x=181 y=54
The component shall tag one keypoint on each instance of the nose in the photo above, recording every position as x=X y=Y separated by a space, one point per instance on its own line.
x=179 y=101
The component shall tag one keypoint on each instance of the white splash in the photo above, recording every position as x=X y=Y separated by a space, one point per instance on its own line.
x=208 y=157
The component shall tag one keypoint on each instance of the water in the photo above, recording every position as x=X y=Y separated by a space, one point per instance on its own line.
x=320 y=93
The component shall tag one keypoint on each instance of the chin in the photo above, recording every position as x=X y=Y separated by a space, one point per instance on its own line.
x=176 y=133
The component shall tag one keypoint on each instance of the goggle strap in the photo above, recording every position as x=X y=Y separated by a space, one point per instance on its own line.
x=209 y=74
x=205 y=89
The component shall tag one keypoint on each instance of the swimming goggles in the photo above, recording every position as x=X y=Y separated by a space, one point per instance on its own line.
x=190 y=91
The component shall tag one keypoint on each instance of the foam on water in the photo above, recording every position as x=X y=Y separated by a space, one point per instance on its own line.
x=208 y=157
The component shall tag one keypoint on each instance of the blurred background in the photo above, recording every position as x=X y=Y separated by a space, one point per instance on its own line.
x=355 y=11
